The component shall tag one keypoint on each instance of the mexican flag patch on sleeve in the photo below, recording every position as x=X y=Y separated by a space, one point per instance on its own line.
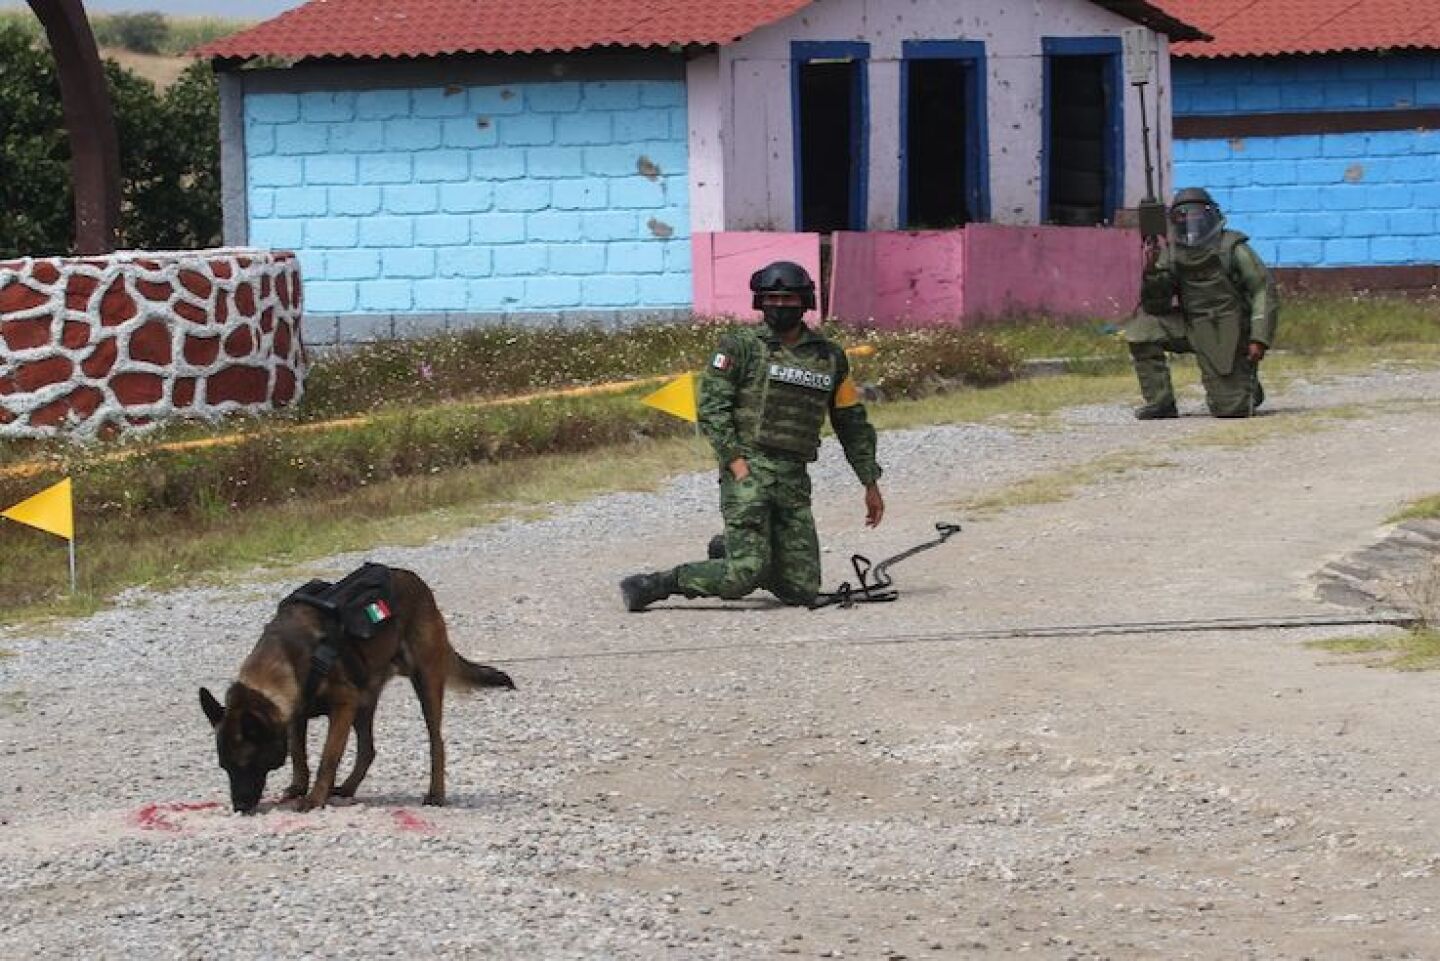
x=377 y=612
x=721 y=361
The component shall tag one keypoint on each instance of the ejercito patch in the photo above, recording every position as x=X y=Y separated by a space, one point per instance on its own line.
x=802 y=377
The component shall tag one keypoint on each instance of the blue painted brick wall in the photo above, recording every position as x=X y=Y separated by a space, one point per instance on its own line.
x=1304 y=84
x=1320 y=200
x=513 y=199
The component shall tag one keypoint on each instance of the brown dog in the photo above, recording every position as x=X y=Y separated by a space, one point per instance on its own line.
x=266 y=710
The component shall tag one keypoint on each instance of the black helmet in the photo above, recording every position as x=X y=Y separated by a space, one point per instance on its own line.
x=783 y=277
x=1195 y=218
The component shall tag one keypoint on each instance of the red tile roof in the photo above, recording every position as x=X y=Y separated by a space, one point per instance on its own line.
x=430 y=28
x=1257 y=28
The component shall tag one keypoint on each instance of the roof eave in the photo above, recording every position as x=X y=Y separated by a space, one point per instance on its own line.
x=1149 y=15
x=238 y=61
x=1203 y=54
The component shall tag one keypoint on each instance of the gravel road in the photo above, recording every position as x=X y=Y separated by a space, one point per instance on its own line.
x=749 y=781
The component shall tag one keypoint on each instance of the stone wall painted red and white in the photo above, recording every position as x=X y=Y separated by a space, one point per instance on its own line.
x=101 y=346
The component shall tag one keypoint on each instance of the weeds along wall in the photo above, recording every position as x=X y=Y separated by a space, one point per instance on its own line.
x=100 y=346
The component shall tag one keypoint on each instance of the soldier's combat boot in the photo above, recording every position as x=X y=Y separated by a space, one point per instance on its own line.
x=639 y=591
x=1156 y=412
x=1258 y=394
x=715 y=550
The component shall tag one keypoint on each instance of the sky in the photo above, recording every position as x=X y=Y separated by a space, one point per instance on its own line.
x=239 y=9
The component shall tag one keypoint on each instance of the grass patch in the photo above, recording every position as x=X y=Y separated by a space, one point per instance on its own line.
x=1037 y=337
x=398 y=511
x=1314 y=325
x=1036 y=399
x=187 y=33
x=273 y=465
x=1061 y=485
x=506 y=361
x=152 y=34
x=1426 y=508
x=1409 y=651
x=1238 y=434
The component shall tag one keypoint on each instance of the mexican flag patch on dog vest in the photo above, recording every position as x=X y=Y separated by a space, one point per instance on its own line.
x=377 y=612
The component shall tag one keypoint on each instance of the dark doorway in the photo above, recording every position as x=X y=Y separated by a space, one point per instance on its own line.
x=1082 y=154
x=830 y=155
x=938 y=143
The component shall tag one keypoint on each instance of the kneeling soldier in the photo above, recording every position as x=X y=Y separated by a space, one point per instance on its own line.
x=763 y=401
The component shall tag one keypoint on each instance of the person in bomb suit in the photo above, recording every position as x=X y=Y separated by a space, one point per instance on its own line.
x=764 y=397
x=1207 y=293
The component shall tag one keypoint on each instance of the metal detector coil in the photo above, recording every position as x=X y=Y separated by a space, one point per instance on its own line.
x=873 y=583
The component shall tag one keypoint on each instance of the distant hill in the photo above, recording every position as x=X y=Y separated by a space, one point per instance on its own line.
x=149 y=44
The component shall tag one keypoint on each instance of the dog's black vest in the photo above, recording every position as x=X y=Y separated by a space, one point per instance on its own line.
x=354 y=607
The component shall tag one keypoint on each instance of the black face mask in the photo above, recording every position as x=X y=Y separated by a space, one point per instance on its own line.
x=783 y=319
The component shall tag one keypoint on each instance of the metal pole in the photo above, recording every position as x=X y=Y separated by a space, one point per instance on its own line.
x=1145 y=141
x=71 y=542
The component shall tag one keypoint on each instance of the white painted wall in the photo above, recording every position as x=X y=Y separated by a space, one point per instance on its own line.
x=757 y=189
x=705 y=107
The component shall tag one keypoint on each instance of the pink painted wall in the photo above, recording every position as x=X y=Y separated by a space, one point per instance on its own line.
x=723 y=263
x=1067 y=271
x=892 y=279
x=888 y=279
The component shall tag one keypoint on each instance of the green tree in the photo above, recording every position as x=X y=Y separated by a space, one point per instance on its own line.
x=169 y=156
x=36 y=205
x=185 y=212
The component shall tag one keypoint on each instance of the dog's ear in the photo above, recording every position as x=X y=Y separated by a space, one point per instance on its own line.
x=213 y=709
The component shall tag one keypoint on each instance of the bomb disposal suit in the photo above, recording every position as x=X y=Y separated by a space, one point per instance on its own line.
x=1206 y=293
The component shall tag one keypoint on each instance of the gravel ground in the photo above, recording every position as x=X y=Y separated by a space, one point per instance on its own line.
x=746 y=781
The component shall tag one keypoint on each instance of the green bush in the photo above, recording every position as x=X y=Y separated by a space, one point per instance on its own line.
x=505 y=361
x=275 y=465
x=170 y=155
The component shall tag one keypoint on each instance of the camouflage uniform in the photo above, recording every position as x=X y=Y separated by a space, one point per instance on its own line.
x=767 y=402
x=1226 y=300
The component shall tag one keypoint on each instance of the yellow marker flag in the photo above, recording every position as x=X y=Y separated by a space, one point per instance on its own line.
x=51 y=510
x=676 y=398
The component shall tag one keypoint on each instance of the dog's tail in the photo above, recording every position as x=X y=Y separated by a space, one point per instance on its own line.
x=470 y=674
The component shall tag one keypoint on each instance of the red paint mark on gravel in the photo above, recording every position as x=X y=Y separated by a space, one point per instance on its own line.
x=152 y=817
x=284 y=825
x=406 y=821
